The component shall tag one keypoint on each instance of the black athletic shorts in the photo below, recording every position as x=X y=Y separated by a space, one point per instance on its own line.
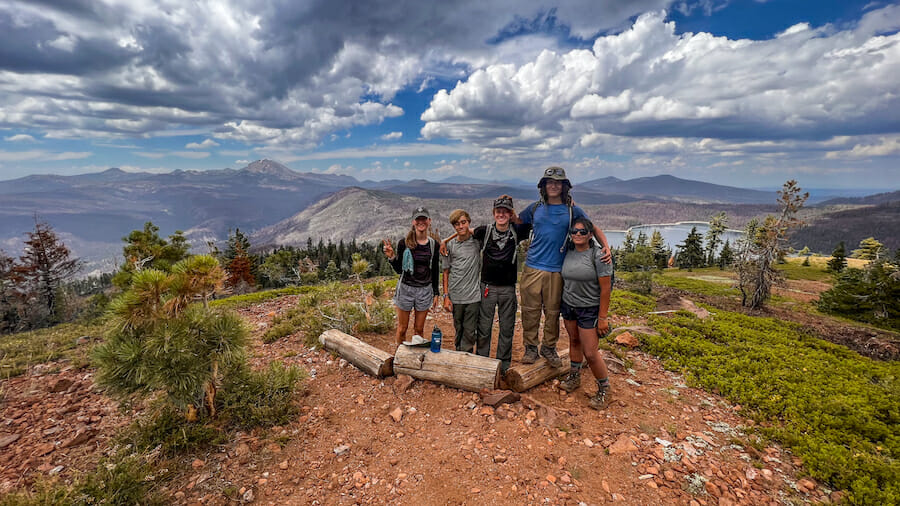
x=585 y=316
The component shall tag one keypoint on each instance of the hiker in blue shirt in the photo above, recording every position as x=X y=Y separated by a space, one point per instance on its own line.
x=541 y=284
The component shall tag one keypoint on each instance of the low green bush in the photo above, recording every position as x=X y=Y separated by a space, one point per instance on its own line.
x=624 y=303
x=117 y=480
x=260 y=398
x=638 y=281
x=166 y=428
x=837 y=410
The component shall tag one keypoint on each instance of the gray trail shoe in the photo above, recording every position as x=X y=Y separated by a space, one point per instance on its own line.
x=551 y=356
x=600 y=399
x=572 y=381
x=531 y=355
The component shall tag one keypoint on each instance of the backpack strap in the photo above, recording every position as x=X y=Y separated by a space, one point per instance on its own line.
x=565 y=243
x=533 y=211
x=595 y=247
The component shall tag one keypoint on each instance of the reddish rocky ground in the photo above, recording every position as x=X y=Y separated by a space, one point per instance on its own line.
x=361 y=440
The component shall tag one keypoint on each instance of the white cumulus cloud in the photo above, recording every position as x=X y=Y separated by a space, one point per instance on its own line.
x=806 y=84
x=207 y=143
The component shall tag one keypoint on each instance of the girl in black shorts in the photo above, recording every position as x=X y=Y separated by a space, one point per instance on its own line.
x=584 y=308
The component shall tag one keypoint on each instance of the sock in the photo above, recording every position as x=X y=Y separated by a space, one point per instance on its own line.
x=603 y=384
x=576 y=366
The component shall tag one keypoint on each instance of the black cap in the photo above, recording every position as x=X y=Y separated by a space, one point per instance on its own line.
x=504 y=202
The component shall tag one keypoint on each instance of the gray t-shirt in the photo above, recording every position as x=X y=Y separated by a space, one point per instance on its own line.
x=579 y=273
x=464 y=262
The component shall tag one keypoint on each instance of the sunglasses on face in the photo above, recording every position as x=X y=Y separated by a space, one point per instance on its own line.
x=579 y=231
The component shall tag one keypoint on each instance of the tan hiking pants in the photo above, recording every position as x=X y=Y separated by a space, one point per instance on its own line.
x=540 y=291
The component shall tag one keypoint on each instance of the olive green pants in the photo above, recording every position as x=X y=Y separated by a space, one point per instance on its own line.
x=541 y=291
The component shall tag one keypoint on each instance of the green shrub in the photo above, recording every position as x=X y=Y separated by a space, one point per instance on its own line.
x=260 y=398
x=334 y=306
x=115 y=481
x=167 y=429
x=624 y=303
x=638 y=281
x=838 y=411
x=279 y=330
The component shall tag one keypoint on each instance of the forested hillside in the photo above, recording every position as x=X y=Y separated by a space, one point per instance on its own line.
x=851 y=226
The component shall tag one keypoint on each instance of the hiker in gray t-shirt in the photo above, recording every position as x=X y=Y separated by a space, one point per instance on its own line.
x=462 y=296
x=584 y=309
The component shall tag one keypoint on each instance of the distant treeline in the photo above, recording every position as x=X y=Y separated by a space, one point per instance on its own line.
x=321 y=261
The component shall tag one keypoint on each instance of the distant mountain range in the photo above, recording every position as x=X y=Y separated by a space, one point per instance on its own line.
x=93 y=211
x=870 y=200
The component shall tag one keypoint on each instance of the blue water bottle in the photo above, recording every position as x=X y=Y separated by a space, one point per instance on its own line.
x=436 y=340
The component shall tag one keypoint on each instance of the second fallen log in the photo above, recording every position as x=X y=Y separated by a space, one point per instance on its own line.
x=366 y=357
x=524 y=376
x=452 y=368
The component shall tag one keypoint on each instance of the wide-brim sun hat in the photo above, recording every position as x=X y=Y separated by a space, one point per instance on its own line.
x=555 y=173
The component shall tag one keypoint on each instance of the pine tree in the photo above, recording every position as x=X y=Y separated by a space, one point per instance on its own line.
x=838 y=260
x=660 y=252
x=726 y=256
x=161 y=340
x=145 y=249
x=641 y=240
x=44 y=266
x=690 y=252
x=10 y=296
x=240 y=275
x=628 y=243
x=870 y=295
x=764 y=244
x=717 y=226
x=331 y=272
x=869 y=249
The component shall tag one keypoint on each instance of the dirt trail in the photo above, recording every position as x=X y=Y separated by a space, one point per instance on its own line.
x=659 y=442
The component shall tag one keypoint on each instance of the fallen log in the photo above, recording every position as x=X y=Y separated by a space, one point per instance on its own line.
x=455 y=369
x=524 y=376
x=366 y=357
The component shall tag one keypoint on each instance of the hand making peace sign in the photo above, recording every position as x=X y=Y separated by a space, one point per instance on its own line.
x=388 y=249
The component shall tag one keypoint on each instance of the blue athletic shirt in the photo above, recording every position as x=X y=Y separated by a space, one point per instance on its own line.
x=550 y=224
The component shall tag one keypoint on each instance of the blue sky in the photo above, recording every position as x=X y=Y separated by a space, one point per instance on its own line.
x=747 y=93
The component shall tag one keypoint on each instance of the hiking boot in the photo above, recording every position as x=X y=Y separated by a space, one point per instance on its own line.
x=551 y=356
x=600 y=399
x=572 y=381
x=531 y=355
